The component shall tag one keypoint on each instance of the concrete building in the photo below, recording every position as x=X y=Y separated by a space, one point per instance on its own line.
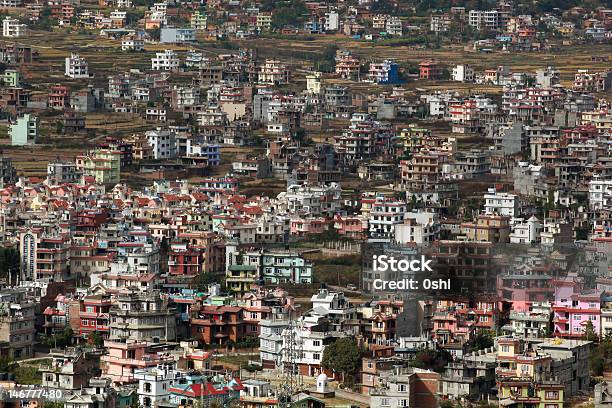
x=104 y=165
x=76 y=67
x=142 y=317
x=463 y=73
x=165 y=61
x=17 y=317
x=24 y=131
x=11 y=27
x=163 y=143
x=60 y=172
x=171 y=35
x=501 y=203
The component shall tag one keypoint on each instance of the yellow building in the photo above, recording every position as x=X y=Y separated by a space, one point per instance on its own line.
x=520 y=393
x=487 y=228
x=241 y=278
x=103 y=165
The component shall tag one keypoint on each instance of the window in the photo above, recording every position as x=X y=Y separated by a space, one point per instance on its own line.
x=552 y=394
x=385 y=402
x=401 y=387
x=316 y=343
x=402 y=403
x=316 y=356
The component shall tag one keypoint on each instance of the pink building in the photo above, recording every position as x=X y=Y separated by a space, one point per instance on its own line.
x=348 y=226
x=258 y=305
x=308 y=226
x=574 y=308
x=124 y=357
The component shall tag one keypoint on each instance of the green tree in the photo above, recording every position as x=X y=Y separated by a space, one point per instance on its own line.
x=291 y=13
x=589 y=332
x=481 y=341
x=430 y=359
x=9 y=261
x=342 y=356
x=95 y=339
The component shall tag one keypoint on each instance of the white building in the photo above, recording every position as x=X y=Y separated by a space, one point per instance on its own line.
x=165 y=61
x=132 y=44
x=273 y=72
x=308 y=339
x=501 y=203
x=171 y=35
x=418 y=227
x=313 y=82
x=76 y=67
x=311 y=201
x=600 y=194
x=154 y=384
x=163 y=143
x=525 y=232
x=385 y=215
x=393 y=26
x=332 y=21
x=463 y=73
x=484 y=19
x=11 y=27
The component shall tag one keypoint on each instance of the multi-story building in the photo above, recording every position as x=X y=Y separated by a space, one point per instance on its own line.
x=70 y=369
x=384 y=216
x=163 y=143
x=573 y=308
x=463 y=73
x=11 y=27
x=273 y=72
x=44 y=255
x=94 y=316
x=347 y=65
x=501 y=203
x=165 y=61
x=386 y=72
x=24 y=131
x=61 y=172
x=76 y=67
x=104 y=165
x=17 y=331
x=142 y=317
x=124 y=358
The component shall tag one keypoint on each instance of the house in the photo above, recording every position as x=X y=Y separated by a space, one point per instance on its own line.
x=76 y=67
x=104 y=165
x=24 y=131
x=463 y=73
x=142 y=317
x=124 y=358
x=167 y=60
x=17 y=331
x=71 y=368
x=163 y=143
x=429 y=69
x=171 y=35
x=386 y=72
x=413 y=387
x=11 y=27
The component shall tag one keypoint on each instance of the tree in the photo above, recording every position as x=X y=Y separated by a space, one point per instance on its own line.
x=481 y=341
x=589 y=332
x=292 y=13
x=342 y=356
x=9 y=261
x=430 y=359
x=95 y=339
